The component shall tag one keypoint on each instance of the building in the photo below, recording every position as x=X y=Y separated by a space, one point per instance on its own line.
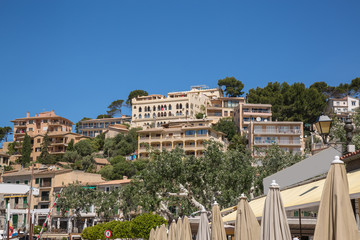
x=100 y=163
x=343 y=107
x=4 y=159
x=246 y=113
x=94 y=127
x=220 y=107
x=189 y=135
x=58 y=129
x=155 y=110
x=46 y=180
x=116 y=129
x=287 y=135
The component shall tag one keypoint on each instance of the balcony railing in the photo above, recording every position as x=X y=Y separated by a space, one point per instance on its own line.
x=277 y=131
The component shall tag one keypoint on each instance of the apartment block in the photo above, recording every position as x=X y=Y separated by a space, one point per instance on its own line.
x=58 y=129
x=221 y=107
x=47 y=180
x=189 y=135
x=4 y=159
x=343 y=107
x=287 y=135
x=94 y=127
x=246 y=113
x=155 y=110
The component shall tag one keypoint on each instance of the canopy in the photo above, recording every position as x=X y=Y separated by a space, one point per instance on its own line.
x=299 y=197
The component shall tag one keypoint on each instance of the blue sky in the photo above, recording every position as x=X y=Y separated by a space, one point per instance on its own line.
x=76 y=57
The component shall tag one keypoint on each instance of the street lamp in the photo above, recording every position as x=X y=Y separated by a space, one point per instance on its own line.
x=323 y=125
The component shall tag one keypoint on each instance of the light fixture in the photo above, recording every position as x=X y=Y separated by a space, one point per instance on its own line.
x=323 y=125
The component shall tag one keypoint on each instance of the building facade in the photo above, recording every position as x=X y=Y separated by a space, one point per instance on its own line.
x=155 y=110
x=287 y=135
x=94 y=127
x=190 y=135
x=58 y=129
x=222 y=107
x=246 y=113
x=343 y=107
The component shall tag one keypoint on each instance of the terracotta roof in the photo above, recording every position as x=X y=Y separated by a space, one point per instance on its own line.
x=350 y=154
x=119 y=126
x=115 y=182
x=25 y=172
x=101 y=161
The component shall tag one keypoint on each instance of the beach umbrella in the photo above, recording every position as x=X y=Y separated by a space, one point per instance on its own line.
x=204 y=227
x=162 y=233
x=274 y=223
x=178 y=229
x=172 y=231
x=157 y=230
x=246 y=225
x=217 y=224
x=186 y=230
x=335 y=216
x=152 y=234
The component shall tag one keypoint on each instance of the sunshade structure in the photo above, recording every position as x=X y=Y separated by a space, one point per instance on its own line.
x=299 y=197
x=157 y=233
x=162 y=233
x=274 y=225
x=204 y=228
x=152 y=234
x=179 y=229
x=336 y=217
x=172 y=231
x=246 y=226
x=217 y=224
x=186 y=230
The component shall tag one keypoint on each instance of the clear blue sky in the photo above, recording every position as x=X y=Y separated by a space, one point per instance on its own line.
x=76 y=57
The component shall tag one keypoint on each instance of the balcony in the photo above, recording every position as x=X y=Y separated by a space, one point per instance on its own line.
x=278 y=131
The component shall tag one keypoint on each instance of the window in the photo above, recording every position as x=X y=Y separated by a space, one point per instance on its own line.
x=38 y=140
x=353 y=103
x=139 y=116
x=24 y=201
x=189 y=132
x=16 y=200
x=26 y=182
x=170 y=107
x=201 y=132
x=37 y=181
x=140 y=109
x=107 y=189
x=17 y=182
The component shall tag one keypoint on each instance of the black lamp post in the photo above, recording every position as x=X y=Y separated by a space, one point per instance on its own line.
x=323 y=125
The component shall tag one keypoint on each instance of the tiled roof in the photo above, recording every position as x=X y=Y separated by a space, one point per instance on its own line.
x=103 y=161
x=350 y=154
x=115 y=182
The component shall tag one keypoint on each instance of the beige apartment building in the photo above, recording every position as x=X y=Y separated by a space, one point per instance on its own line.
x=46 y=180
x=287 y=135
x=343 y=107
x=94 y=127
x=189 y=135
x=222 y=107
x=155 y=110
x=4 y=159
x=246 y=113
x=58 y=129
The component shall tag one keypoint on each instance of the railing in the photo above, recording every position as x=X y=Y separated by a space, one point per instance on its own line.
x=45 y=184
x=292 y=131
x=289 y=142
x=44 y=198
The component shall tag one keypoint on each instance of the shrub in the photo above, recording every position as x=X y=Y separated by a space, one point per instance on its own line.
x=142 y=224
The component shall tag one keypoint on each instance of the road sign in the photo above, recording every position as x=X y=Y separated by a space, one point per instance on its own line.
x=108 y=234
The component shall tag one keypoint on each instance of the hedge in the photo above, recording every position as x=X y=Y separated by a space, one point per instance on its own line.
x=139 y=227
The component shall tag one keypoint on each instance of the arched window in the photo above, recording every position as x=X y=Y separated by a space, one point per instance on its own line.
x=134 y=115
x=139 y=109
x=177 y=106
x=139 y=116
x=180 y=106
x=187 y=113
x=177 y=113
x=154 y=115
x=165 y=108
x=187 y=105
x=180 y=113
x=164 y=114
x=154 y=108
x=169 y=114
x=159 y=108
x=169 y=106
x=158 y=124
x=162 y=107
x=158 y=114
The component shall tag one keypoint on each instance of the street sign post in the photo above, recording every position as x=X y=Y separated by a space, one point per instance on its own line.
x=107 y=234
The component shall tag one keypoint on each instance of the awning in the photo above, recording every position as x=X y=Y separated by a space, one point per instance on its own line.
x=300 y=197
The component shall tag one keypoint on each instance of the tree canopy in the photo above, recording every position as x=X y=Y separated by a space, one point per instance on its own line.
x=233 y=87
x=104 y=116
x=4 y=132
x=115 y=107
x=135 y=93
x=227 y=126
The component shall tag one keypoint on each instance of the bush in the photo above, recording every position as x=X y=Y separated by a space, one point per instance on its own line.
x=139 y=227
x=37 y=229
x=84 y=147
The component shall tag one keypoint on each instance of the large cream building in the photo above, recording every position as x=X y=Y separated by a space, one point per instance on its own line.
x=190 y=135
x=58 y=129
x=94 y=127
x=155 y=110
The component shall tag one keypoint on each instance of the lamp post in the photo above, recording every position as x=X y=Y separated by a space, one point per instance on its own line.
x=323 y=125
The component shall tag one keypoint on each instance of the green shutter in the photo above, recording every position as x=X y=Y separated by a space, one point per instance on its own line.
x=25 y=201
x=36 y=181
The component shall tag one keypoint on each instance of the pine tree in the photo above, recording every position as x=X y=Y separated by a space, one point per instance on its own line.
x=45 y=156
x=26 y=151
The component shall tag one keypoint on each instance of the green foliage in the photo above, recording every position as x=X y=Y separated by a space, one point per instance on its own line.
x=104 y=116
x=139 y=227
x=290 y=102
x=337 y=131
x=227 y=126
x=70 y=146
x=11 y=148
x=121 y=167
x=122 y=145
x=200 y=115
x=45 y=157
x=107 y=203
x=84 y=147
x=4 y=132
x=71 y=156
x=8 y=168
x=273 y=159
x=142 y=224
x=115 y=107
x=233 y=87
x=25 y=151
x=135 y=93
x=37 y=229
x=238 y=142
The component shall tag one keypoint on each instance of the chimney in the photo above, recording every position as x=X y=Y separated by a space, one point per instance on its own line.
x=125 y=177
x=27 y=114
